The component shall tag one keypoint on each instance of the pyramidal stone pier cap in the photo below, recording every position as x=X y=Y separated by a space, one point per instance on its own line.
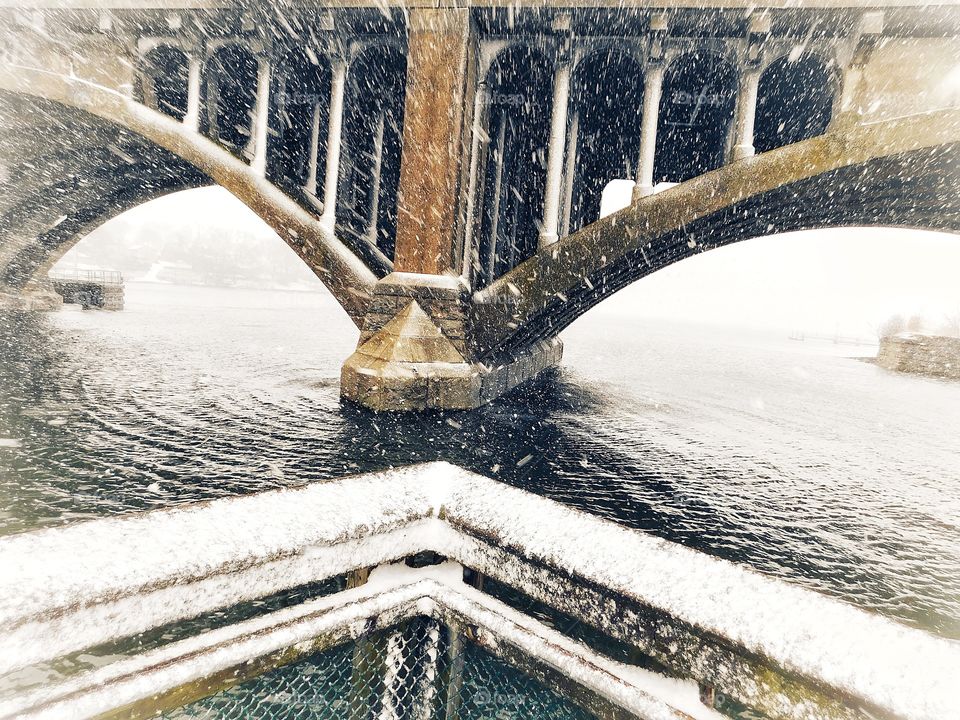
x=409 y=363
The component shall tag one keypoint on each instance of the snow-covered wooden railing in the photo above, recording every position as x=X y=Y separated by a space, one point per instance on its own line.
x=780 y=649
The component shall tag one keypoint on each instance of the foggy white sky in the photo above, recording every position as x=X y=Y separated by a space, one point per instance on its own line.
x=827 y=281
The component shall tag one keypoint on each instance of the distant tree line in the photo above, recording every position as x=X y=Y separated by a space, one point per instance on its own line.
x=948 y=325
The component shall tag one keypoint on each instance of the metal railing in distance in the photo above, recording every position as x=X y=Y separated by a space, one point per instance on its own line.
x=99 y=277
x=776 y=650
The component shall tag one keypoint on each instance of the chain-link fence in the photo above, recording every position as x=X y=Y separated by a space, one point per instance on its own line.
x=421 y=670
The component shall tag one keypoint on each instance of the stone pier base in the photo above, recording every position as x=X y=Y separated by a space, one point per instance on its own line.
x=922 y=354
x=91 y=294
x=414 y=352
x=37 y=299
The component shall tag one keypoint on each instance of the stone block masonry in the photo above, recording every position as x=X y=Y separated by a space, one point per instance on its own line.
x=922 y=354
x=31 y=300
x=91 y=294
x=415 y=351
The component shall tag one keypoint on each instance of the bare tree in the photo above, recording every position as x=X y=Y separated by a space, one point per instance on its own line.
x=893 y=325
x=951 y=324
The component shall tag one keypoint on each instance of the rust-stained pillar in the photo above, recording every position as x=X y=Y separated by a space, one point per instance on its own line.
x=430 y=172
x=416 y=348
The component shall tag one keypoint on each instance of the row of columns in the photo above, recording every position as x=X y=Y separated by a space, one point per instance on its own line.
x=559 y=144
x=653 y=89
x=257 y=147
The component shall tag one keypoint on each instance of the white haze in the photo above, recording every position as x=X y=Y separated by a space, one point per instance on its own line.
x=844 y=281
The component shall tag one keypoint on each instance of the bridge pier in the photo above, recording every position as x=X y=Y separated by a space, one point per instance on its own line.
x=471 y=302
x=35 y=297
x=416 y=350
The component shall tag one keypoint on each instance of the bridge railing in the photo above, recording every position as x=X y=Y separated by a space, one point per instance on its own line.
x=471 y=582
x=98 y=277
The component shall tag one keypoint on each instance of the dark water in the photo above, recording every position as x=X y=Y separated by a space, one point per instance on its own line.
x=786 y=456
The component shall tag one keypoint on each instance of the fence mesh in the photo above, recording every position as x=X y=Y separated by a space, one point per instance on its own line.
x=420 y=670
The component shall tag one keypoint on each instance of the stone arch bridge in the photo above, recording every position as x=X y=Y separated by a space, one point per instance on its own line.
x=441 y=168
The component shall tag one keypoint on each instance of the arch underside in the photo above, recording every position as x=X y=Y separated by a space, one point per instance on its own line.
x=918 y=190
x=76 y=154
x=64 y=175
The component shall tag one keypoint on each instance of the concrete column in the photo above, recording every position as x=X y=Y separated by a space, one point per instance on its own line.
x=433 y=133
x=261 y=118
x=570 y=173
x=652 y=90
x=213 y=104
x=558 y=129
x=480 y=103
x=497 y=194
x=746 y=114
x=311 y=184
x=338 y=83
x=372 y=224
x=853 y=102
x=149 y=90
x=192 y=117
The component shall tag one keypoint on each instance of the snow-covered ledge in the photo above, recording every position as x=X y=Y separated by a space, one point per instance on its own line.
x=781 y=649
x=161 y=679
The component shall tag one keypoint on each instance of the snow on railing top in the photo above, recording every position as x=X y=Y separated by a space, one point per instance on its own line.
x=167 y=677
x=110 y=578
x=103 y=277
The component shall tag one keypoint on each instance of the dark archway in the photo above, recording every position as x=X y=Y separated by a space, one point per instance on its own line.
x=794 y=101
x=518 y=126
x=164 y=81
x=604 y=130
x=372 y=139
x=301 y=101
x=231 y=95
x=696 y=112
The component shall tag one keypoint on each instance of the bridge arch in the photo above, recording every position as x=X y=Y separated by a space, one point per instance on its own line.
x=372 y=139
x=895 y=173
x=231 y=87
x=604 y=130
x=114 y=157
x=795 y=99
x=696 y=115
x=519 y=95
x=164 y=74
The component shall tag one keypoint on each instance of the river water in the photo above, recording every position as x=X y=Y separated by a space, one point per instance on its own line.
x=792 y=457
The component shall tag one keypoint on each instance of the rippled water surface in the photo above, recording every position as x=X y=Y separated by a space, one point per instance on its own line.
x=786 y=456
